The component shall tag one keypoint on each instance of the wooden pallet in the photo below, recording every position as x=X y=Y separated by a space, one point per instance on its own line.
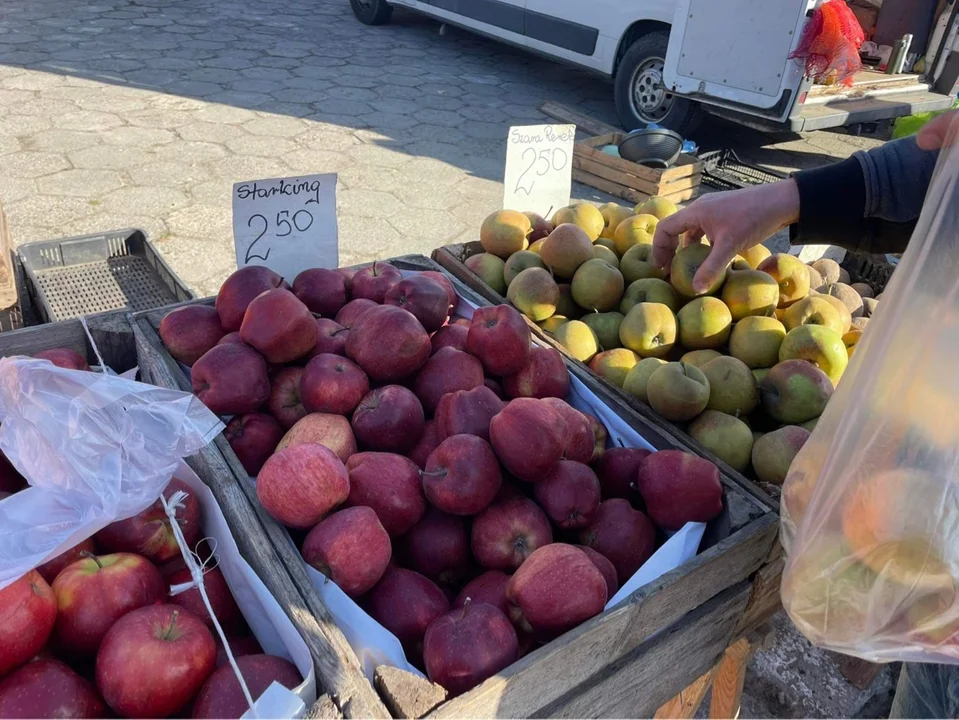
x=626 y=662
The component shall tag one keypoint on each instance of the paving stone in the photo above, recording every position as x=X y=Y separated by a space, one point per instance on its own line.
x=45 y=211
x=79 y=183
x=163 y=173
x=140 y=200
x=275 y=126
x=140 y=137
x=30 y=164
x=209 y=132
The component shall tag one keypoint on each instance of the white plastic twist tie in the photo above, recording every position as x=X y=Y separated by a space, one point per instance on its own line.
x=96 y=350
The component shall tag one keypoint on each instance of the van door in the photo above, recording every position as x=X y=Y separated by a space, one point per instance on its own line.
x=503 y=19
x=735 y=53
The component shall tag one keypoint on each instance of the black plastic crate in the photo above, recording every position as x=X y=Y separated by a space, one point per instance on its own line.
x=90 y=274
x=723 y=170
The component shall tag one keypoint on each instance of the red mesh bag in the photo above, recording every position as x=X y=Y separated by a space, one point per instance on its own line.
x=830 y=42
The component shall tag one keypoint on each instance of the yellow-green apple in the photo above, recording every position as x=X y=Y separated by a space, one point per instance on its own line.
x=649 y=330
x=727 y=437
x=756 y=341
x=677 y=391
x=658 y=207
x=635 y=230
x=704 y=324
x=613 y=214
x=750 y=292
x=683 y=269
x=813 y=310
x=505 y=232
x=651 y=290
x=774 y=452
x=791 y=275
x=795 y=391
x=732 y=386
x=820 y=345
x=585 y=216
x=638 y=263
x=490 y=269
x=614 y=365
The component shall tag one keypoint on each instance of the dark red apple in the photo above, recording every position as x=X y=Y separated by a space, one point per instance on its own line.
x=467 y=412
x=679 y=487
x=375 y=281
x=389 y=484
x=331 y=338
x=285 y=403
x=579 y=432
x=189 y=331
x=438 y=547
x=46 y=688
x=333 y=384
x=153 y=660
x=541 y=227
x=11 y=480
x=495 y=387
x=279 y=326
x=529 y=438
x=444 y=281
x=603 y=564
x=96 y=591
x=347 y=273
x=489 y=588
x=253 y=437
x=218 y=593
x=232 y=337
x=28 y=610
x=623 y=535
x=429 y=441
x=500 y=338
x=221 y=695
x=424 y=297
x=388 y=343
x=350 y=313
x=52 y=567
x=65 y=358
x=240 y=646
x=569 y=494
x=617 y=471
x=445 y=372
x=322 y=291
x=545 y=375
x=506 y=532
x=449 y=336
x=351 y=548
x=231 y=379
x=462 y=475
x=389 y=419
x=300 y=484
x=238 y=291
x=405 y=603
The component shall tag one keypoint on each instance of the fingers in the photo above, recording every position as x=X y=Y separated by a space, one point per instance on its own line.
x=668 y=233
x=714 y=265
x=935 y=133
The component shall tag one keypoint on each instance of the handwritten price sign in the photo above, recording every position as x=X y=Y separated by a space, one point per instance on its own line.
x=286 y=224
x=539 y=168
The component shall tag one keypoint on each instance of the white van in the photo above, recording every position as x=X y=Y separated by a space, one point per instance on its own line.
x=671 y=60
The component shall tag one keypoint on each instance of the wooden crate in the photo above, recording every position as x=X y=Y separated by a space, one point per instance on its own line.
x=626 y=662
x=629 y=180
x=110 y=331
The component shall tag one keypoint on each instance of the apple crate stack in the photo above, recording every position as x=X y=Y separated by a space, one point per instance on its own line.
x=617 y=663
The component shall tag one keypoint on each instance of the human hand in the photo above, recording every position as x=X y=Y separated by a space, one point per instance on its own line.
x=733 y=221
x=935 y=133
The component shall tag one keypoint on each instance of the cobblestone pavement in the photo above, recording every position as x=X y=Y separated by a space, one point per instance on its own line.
x=119 y=113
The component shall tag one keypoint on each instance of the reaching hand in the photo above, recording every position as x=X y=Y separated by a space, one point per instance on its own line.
x=733 y=221
x=935 y=133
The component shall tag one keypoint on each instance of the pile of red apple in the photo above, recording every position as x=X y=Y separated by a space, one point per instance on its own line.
x=431 y=466
x=96 y=628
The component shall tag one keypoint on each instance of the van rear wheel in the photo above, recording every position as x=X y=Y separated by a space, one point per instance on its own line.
x=372 y=12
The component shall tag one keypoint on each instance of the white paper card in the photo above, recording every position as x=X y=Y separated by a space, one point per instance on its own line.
x=808 y=253
x=286 y=224
x=539 y=168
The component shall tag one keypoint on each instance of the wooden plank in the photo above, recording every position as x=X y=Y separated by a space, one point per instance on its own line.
x=661 y=187
x=765 y=600
x=687 y=702
x=730 y=676
x=407 y=695
x=566 y=114
x=685 y=165
x=620 y=191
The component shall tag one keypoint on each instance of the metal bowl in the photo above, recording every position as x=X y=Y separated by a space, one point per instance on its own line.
x=652 y=147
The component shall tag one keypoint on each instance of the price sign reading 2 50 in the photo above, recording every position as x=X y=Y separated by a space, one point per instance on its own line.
x=286 y=224
x=538 y=167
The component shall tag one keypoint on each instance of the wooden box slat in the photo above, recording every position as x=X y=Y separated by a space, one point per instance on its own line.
x=110 y=331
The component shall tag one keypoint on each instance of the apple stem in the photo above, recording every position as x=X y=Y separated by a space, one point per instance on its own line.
x=466 y=607
x=337 y=332
x=433 y=473
x=91 y=556
x=170 y=630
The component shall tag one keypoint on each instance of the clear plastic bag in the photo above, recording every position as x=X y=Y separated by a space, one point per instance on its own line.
x=95 y=448
x=870 y=508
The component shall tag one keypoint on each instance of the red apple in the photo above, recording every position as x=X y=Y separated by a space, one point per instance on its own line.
x=405 y=603
x=579 y=442
x=221 y=695
x=445 y=372
x=322 y=291
x=331 y=338
x=28 y=610
x=333 y=384
x=464 y=647
x=66 y=358
x=506 y=532
x=500 y=338
x=189 y=331
x=240 y=646
x=153 y=660
x=389 y=419
x=569 y=495
x=529 y=438
x=679 y=487
x=424 y=297
x=389 y=484
x=438 y=547
x=300 y=484
x=218 y=593
x=280 y=326
x=231 y=379
x=232 y=337
x=462 y=475
x=545 y=375
x=11 y=480
x=47 y=688
x=623 y=535
x=444 y=281
x=149 y=533
x=489 y=588
x=347 y=273
x=375 y=281
x=95 y=591
x=467 y=412
x=603 y=564
x=52 y=567
x=326 y=429
x=350 y=313
x=238 y=291
x=388 y=343
x=351 y=548
x=617 y=471
x=495 y=387
x=449 y=336
x=541 y=227
x=429 y=441
x=285 y=403
x=253 y=437
x=556 y=589
x=600 y=436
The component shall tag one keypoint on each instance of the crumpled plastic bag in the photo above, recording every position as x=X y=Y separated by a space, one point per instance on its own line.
x=830 y=43
x=95 y=448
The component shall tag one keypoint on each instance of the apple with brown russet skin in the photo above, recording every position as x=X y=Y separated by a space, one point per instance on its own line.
x=462 y=476
x=333 y=384
x=285 y=402
x=350 y=313
x=390 y=485
x=466 y=646
x=426 y=299
x=444 y=281
x=388 y=343
x=64 y=358
x=47 y=688
x=231 y=379
x=373 y=282
x=218 y=593
x=96 y=591
x=545 y=375
x=279 y=326
x=510 y=432
x=28 y=610
x=489 y=588
x=621 y=534
x=322 y=291
x=52 y=567
x=389 y=419
x=617 y=472
x=429 y=441
x=438 y=547
x=445 y=372
x=300 y=484
x=221 y=695
x=351 y=548
x=603 y=564
x=449 y=336
x=149 y=533
x=580 y=441
x=331 y=338
x=500 y=338
x=239 y=646
x=556 y=589
x=467 y=412
x=570 y=495
x=253 y=437
x=153 y=660
x=329 y=430
x=405 y=603
x=506 y=532
x=600 y=437
x=238 y=291
x=188 y=332
x=679 y=487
